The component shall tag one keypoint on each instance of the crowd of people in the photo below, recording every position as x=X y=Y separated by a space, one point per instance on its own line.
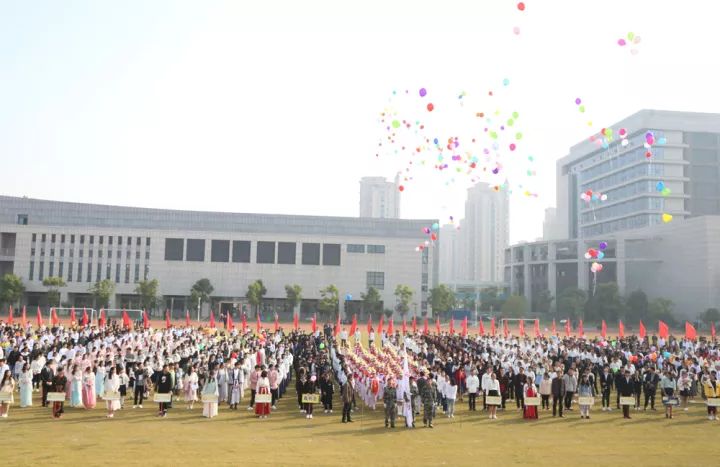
x=411 y=374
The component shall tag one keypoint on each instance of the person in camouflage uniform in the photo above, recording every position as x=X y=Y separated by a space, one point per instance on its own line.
x=390 y=398
x=428 y=393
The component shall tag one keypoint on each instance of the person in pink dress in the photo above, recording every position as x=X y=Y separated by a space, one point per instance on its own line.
x=262 y=409
x=530 y=411
x=89 y=398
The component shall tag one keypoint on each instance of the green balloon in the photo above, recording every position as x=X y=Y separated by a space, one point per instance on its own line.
x=396 y=124
x=322 y=346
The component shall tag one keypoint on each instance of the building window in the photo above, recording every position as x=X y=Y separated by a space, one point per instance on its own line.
x=119 y=254
x=138 y=241
x=377 y=249
x=41 y=271
x=352 y=248
x=42 y=251
x=72 y=239
x=51 y=269
x=42 y=238
x=117 y=273
x=331 y=254
x=52 y=238
x=32 y=251
x=34 y=238
x=265 y=253
x=173 y=249
x=127 y=255
x=22 y=219
x=286 y=252
x=32 y=270
x=108 y=270
x=98 y=274
x=147 y=241
x=90 y=254
x=147 y=255
x=70 y=272
x=92 y=239
x=72 y=253
x=82 y=239
x=376 y=279
x=89 y=273
x=195 y=250
x=62 y=238
x=81 y=253
x=240 y=251
x=100 y=239
x=311 y=254
x=52 y=251
x=60 y=269
x=79 y=272
x=129 y=241
x=62 y=252
x=137 y=273
x=100 y=253
x=119 y=240
x=147 y=272
x=127 y=273
x=137 y=255
x=220 y=251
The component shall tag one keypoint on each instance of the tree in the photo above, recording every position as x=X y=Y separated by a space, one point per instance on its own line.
x=637 y=306
x=256 y=292
x=200 y=292
x=11 y=289
x=661 y=309
x=147 y=292
x=491 y=299
x=711 y=315
x=514 y=307
x=442 y=299
x=372 y=302
x=102 y=291
x=606 y=304
x=53 y=283
x=571 y=302
x=404 y=296
x=542 y=301
x=329 y=301
x=388 y=312
x=293 y=295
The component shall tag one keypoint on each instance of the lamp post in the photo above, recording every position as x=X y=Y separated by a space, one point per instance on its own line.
x=199 y=300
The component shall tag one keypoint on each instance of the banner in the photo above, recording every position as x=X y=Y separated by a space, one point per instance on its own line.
x=493 y=400
x=586 y=400
x=267 y=398
x=532 y=401
x=627 y=400
x=164 y=397
x=56 y=397
x=306 y=398
x=671 y=401
x=211 y=398
x=110 y=396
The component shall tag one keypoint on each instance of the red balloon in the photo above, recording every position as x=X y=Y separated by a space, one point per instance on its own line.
x=433 y=237
x=521 y=6
x=589 y=192
x=401 y=188
x=430 y=107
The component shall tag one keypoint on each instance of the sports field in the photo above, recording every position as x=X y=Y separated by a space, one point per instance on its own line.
x=136 y=437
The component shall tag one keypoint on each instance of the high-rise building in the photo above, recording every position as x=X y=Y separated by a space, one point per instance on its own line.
x=552 y=229
x=379 y=198
x=686 y=165
x=450 y=255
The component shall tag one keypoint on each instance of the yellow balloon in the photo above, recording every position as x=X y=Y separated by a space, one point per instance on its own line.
x=667 y=218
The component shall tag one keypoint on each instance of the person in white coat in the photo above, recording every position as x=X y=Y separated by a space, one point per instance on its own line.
x=492 y=388
x=112 y=385
x=473 y=385
x=210 y=409
x=222 y=383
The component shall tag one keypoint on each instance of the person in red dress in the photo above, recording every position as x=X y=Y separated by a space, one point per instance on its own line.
x=530 y=411
x=262 y=410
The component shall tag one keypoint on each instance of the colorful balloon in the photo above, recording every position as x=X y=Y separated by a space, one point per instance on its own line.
x=423 y=92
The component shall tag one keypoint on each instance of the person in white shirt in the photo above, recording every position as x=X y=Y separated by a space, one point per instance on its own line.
x=473 y=385
x=492 y=389
x=451 y=390
x=484 y=383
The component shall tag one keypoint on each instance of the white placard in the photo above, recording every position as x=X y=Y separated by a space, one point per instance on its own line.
x=56 y=397
x=110 y=396
x=306 y=398
x=532 y=401
x=210 y=398
x=493 y=400
x=162 y=397
x=713 y=402
x=670 y=401
x=6 y=397
x=266 y=398
x=586 y=400
x=627 y=401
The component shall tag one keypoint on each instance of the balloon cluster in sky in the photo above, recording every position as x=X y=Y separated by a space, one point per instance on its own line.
x=431 y=236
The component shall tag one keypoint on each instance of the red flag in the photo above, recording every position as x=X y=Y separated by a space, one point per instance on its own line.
x=212 y=319
x=126 y=319
x=85 y=319
x=568 y=328
x=537 y=328
x=353 y=325
x=642 y=330
x=54 y=317
x=146 y=320
x=24 y=317
x=414 y=325
x=481 y=329
x=554 y=328
x=187 y=318
x=492 y=327
x=621 y=330
x=712 y=330
x=72 y=316
x=10 y=316
x=39 y=318
x=101 y=320
x=380 y=326
x=258 y=324
x=506 y=329
x=464 y=328
x=369 y=326
x=277 y=322
x=452 y=325
x=314 y=324
x=244 y=323
x=230 y=323
x=437 y=325
x=580 y=331
x=337 y=326
x=296 y=321
x=521 y=328
x=404 y=327
x=603 y=329
x=426 y=328
x=391 y=329
x=663 y=330
x=690 y=332
x=167 y=319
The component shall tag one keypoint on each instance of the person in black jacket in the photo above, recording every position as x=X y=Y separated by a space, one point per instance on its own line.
x=625 y=388
x=606 y=384
x=46 y=377
x=518 y=380
x=618 y=382
x=650 y=387
x=558 y=392
x=309 y=388
x=326 y=392
x=164 y=386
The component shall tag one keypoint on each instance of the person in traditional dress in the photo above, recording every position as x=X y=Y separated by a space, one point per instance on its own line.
x=222 y=383
x=26 y=386
x=210 y=409
x=585 y=389
x=6 y=385
x=112 y=385
x=668 y=386
x=99 y=378
x=237 y=378
x=190 y=387
x=59 y=384
x=263 y=387
x=89 y=397
x=529 y=390
x=76 y=387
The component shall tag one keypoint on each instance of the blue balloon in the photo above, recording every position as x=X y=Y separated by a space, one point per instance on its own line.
x=660 y=186
x=348 y=297
x=600 y=255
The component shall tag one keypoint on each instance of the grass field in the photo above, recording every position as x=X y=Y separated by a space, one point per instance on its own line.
x=137 y=437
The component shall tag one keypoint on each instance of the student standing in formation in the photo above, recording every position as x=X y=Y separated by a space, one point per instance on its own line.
x=650 y=384
x=262 y=409
x=274 y=378
x=529 y=390
x=124 y=382
x=59 y=384
x=625 y=389
x=210 y=409
x=585 y=389
x=668 y=386
x=558 y=393
x=76 y=387
x=606 y=384
x=326 y=392
x=89 y=397
x=164 y=386
x=190 y=387
x=309 y=388
x=684 y=383
x=473 y=384
x=546 y=390
x=112 y=385
x=347 y=393
x=7 y=385
x=141 y=378
x=222 y=383
x=254 y=376
x=389 y=399
x=712 y=392
x=492 y=389
x=237 y=378
x=26 y=386
x=451 y=392
x=47 y=375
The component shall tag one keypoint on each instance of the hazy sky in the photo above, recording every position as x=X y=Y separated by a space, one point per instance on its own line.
x=270 y=106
